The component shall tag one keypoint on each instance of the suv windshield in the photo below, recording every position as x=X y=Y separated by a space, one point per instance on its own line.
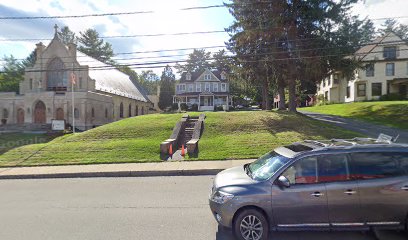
x=267 y=165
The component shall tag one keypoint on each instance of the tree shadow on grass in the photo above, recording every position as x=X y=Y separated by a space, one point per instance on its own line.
x=306 y=126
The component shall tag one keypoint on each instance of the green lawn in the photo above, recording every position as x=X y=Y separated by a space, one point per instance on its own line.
x=226 y=136
x=9 y=141
x=390 y=113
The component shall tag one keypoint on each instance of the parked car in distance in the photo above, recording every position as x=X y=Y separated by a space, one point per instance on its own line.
x=356 y=184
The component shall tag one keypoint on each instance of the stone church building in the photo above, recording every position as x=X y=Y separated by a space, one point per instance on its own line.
x=101 y=93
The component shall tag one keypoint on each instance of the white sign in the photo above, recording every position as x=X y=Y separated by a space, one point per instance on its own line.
x=58 y=125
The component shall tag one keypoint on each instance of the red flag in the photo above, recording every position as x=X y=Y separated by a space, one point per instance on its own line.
x=73 y=78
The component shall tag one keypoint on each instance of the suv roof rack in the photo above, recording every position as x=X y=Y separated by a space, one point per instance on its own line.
x=382 y=139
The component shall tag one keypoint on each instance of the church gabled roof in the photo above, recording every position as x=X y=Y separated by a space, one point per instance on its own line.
x=110 y=80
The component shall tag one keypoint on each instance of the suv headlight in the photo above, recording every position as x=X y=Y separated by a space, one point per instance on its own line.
x=221 y=197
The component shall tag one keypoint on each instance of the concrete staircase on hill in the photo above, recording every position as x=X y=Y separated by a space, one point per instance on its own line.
x=188 y=131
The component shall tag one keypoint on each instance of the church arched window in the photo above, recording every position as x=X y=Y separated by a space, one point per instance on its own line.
x=56 y=76
x=121 y=110
x=130 y=110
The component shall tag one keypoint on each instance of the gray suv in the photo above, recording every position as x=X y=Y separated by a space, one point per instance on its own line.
x=355 y=184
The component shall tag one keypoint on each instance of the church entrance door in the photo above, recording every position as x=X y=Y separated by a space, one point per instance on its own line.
x=39 y=113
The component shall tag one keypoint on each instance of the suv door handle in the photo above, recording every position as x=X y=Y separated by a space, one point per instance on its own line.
x=405 y=188
x=317 y=194
x=350 y=192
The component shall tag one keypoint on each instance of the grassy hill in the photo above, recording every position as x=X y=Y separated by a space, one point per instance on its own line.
x=393 y=113
x=232 y=135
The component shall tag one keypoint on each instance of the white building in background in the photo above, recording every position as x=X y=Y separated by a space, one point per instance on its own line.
x=385 y=71
x=206 y=88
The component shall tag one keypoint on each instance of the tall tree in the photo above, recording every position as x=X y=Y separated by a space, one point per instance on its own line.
x=149 y=80
x=392 y=25
x=303 y=40
x=30 y=60
x=167 y=83
x=91 y=44
x=221 y=61
x=198 y=60
x=12 y=74
x=67 y=36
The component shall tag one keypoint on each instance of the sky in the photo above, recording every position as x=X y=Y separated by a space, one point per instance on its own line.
x=165 y=18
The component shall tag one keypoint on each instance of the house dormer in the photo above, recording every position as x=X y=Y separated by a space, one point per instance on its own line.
x=223 y=75
x=188 y=76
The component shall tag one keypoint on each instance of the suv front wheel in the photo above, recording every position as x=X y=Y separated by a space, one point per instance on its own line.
x=251 y=224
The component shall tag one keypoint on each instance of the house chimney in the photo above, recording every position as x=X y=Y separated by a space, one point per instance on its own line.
x=39 y=50
x=72 y=48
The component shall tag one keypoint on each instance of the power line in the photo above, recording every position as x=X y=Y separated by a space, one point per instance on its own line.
x=159 y=64
x=122 y=36
x=103 y=14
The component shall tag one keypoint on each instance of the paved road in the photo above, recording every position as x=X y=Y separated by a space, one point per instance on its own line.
x=369 y=129
x=120 y=208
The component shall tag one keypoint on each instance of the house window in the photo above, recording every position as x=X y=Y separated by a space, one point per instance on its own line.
x=223 y=76
x=207 y=87
x=93 y=112
x=207 y=77
x=361 y=90
x=223 y=87
x=106 y=113
x=326 y=95
x=188 y=76
x=215 y=87
x=80 y=82
x=407 y=68
x=31 y=84
x=76 y=113
x=190 y=87
x=348 y=92
x=376 y=89
x=390 y=52
x=324 y=83
x=369 y=70
x=336 y=78
x=390 y=69
x=181 y=88
x=198 y=87
x=5 y=113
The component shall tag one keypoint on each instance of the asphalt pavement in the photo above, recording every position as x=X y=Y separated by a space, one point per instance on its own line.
x=143 y=208
x=368 y=129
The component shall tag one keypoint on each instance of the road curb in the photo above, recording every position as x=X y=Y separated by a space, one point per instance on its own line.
x=192 y=172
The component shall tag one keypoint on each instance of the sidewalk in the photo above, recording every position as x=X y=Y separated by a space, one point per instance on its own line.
x=181 y=168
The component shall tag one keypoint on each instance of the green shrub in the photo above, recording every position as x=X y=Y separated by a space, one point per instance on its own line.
x=183 y=107
x=194 y=107
x=174 y=106
x=391 y=97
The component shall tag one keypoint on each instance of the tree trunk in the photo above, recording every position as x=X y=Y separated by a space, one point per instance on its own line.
x=265 y=96
x=292 y=94
x=281 y=92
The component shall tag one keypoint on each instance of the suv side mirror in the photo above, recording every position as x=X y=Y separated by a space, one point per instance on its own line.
x=283 y=181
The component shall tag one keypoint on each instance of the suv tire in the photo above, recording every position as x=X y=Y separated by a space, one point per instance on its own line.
x=251 y=224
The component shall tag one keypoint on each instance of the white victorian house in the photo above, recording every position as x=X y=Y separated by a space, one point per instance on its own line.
x=207 y=89
x=385 y=71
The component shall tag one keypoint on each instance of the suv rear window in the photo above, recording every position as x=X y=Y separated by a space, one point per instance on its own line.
x=376 y=165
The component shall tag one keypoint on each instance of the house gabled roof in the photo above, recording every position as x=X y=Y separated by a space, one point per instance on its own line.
x=196 y=75
x=379 y=41
x=110 y=80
